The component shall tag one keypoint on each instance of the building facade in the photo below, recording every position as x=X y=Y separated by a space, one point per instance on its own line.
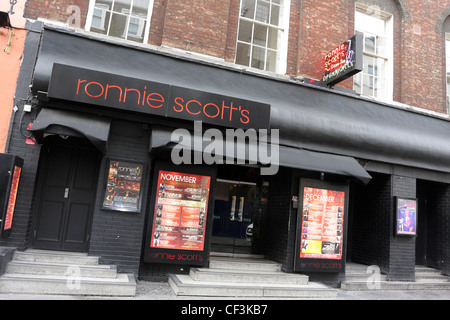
x=161 y=131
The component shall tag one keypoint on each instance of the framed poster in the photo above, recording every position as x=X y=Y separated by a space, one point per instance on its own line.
x=178 y=229
x=123 y=190
x=405 y=216
x=180 y=206
x=321 y=226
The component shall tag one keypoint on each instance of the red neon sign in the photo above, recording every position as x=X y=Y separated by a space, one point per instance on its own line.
x=337 y=57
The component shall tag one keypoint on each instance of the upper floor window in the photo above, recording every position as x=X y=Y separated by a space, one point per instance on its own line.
x=376 y=78
x=125 y=19
x=262 y=34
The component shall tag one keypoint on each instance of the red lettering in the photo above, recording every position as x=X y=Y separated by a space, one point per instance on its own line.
x=187 y=109
x=90 y=95
x=135 y=90
x=231 y=111
x=159 y=98
x=79 y=82
x=179 y=104
x=109 y=86
x=223 y=107
x=245 y=116
x=211 y=104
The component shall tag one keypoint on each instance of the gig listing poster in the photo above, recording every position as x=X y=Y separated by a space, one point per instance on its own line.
x=180 y=215
x=322 y=223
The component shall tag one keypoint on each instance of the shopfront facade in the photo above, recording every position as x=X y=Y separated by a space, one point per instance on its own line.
x=314 y=187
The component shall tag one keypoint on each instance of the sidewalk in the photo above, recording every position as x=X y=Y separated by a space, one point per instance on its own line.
x=146 y=290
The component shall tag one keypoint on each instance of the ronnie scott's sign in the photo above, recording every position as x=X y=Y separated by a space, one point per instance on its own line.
x=137 y=95
x=344 y=61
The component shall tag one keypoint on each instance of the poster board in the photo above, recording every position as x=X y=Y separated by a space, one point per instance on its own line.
x=321 y=226
x=124 y=185
x=405 y=216
x=179 y=225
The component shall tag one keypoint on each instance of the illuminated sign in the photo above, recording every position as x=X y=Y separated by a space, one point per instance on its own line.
x=177 y=231
x=323 y=218
x=343 y=61
x=321 y=227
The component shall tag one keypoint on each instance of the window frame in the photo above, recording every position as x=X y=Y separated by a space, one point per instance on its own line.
x=282 y=30
x=126 y=35
x=387 y=57
x=447 y=70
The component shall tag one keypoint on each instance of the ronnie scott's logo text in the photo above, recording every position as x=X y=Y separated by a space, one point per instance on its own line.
x=151 y=97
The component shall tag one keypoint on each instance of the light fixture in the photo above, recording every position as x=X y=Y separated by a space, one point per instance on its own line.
x=4 y=20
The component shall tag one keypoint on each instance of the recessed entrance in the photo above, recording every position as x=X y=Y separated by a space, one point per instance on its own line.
x=68 y=175
x=237 y=215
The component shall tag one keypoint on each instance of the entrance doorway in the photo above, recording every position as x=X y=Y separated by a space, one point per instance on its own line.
x=234 y=227
x=427 y=226
x=68 y=175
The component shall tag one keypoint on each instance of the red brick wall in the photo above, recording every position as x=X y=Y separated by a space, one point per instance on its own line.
x=56 y=10
x=197 y=25
x=210 y=27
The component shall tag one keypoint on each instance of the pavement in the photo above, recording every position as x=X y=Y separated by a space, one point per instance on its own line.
x=158 y=291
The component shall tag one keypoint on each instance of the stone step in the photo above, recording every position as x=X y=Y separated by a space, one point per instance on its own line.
x=432 y=278
x=394 y=285
x=184 y=285
x=362 y=276
x=55 y=257
x=64 y=273
x=94 y=271
x=122 y=285
x=238 y=264
x=248 y=276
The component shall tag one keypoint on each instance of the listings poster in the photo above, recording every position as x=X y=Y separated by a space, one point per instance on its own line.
x=123 y=187
x=181 y=206
x=322 y=223
x=406 y=216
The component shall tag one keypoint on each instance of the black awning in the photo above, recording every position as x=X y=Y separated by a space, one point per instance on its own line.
x=323 y=162
x=74 y=124
x=243 y=153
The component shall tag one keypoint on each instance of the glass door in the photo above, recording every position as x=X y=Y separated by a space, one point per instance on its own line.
x=233 y=228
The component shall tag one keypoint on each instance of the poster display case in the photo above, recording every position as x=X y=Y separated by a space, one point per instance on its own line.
x=178 y=229
x=405 y=216
x=10 y=173
x=123 y=190
x=321 y=226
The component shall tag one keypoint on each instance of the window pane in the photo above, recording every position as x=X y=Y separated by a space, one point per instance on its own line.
x=245 y=31
x=248 y=9
x=258 y=58
x=140 y=8
x=271 y=60
x=119 y=5
x=260 y=35
x=104 y=4
x=100 y=23
x=117 y=28
x=262 y=12
x=272 y=42
x=243 y=54
x=275 y=15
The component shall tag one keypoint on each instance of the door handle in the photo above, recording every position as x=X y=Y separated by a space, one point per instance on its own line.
x=233 y=208
x=66 y=193
x=241 y=208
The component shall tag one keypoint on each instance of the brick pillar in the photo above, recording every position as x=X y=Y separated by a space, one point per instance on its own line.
x=402 y=250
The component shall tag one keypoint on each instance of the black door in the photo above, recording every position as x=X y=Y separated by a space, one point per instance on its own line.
x=68 y=179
